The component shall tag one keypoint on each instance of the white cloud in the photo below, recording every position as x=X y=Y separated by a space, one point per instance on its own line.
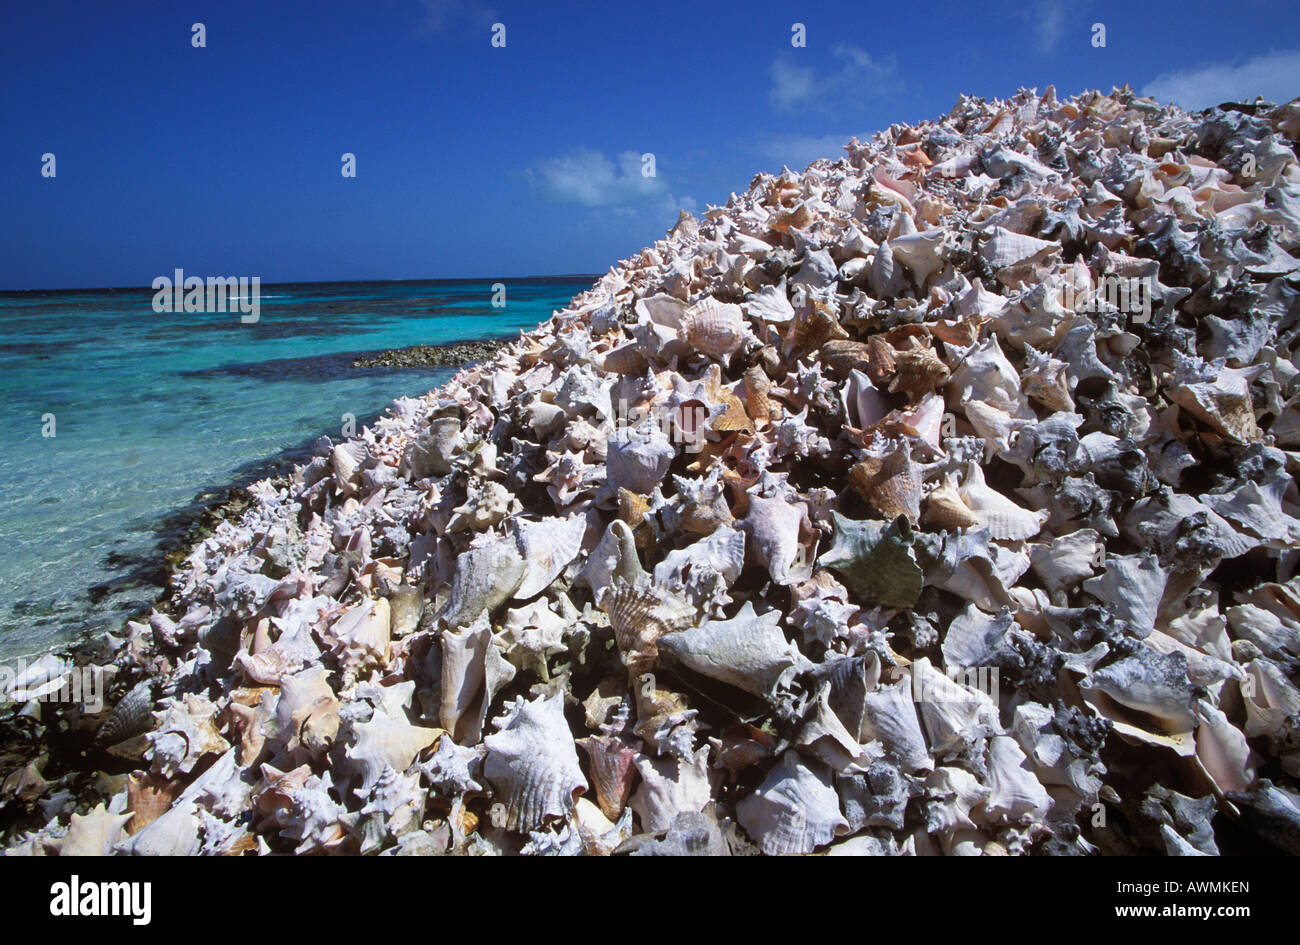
x=1274 y=75
x=1048 y=20
x=589 y=178
x=798 y=151
x=856 y=77
x=438 y=15
x=791 y=84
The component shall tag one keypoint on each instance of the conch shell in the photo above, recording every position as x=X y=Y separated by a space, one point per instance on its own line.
x=532 y=765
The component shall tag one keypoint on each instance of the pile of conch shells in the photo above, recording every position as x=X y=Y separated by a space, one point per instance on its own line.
x=859 y=516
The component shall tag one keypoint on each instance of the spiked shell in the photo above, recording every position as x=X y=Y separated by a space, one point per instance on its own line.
x=892 y=486
x=532 y=765
x=875 y=559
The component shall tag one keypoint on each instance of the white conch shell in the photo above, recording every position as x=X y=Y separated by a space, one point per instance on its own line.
x=430 y=453
x=307 y=712
x=794 y=810
x=486 y=505
x=547 y=547
x=1222 y=750
x=1131 y=586
x=722 y=551
x=749 y=651
x=530 y=635
x=826 y=738
x=1065 y=561
x=1004 y=248
x=771 y=304
x=1014 y=792
x=615 y=555
x=670 y=786
x=388 y=739
x=345 y=458
x=1259 y=510
x=890 y=715
x=973 y=637
x=92 y=833
x=532 y=764
x=487 y=575
x=1152 y=683
x=638 y=457
x=175 y=833
x=1272 y=703
x=184 y=733
x=314 y=818
x=703 y=570
x=363 y=637
x=864 y=404
x=773 y=526
x=920 y=252
x=954 y=715
x=953 y=793
x=473 y=672
x=1003 y=518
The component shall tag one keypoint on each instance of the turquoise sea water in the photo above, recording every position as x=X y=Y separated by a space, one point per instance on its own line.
x=154 y=411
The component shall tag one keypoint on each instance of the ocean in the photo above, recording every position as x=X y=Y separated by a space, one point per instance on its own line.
x=155 y=414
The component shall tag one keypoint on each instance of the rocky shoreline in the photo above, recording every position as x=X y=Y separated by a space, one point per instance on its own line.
x=862 y=516
x=440 y=355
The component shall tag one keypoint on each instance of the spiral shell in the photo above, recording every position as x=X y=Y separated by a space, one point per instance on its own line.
x=716 y=328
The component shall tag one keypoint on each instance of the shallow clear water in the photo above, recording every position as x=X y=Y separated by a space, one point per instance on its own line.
x=154 y=411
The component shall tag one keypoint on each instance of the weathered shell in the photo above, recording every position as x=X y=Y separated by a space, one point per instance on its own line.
x=1131 y=587
x=1219 y=396
x=92 y=833
x=473 y=672
x=889 y=714
x=891 y=485
x=875 y=560
x=363 y=638
x=386 y=741
x=1005 y=248
x=795 y=809
x=546 y=547
x=749 y=651
x=638 y=458
x=945 y=508
x=669 y=787
x=773 y=525
x=532 y=765
x=307 y=712
x=185 y=732
x=1003 y=518
x=1014 y=792
x=487 y=575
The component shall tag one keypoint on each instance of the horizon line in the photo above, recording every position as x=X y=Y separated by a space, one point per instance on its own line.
x=150 y=288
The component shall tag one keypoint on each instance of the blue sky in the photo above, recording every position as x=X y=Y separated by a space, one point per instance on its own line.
x=496 y=162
